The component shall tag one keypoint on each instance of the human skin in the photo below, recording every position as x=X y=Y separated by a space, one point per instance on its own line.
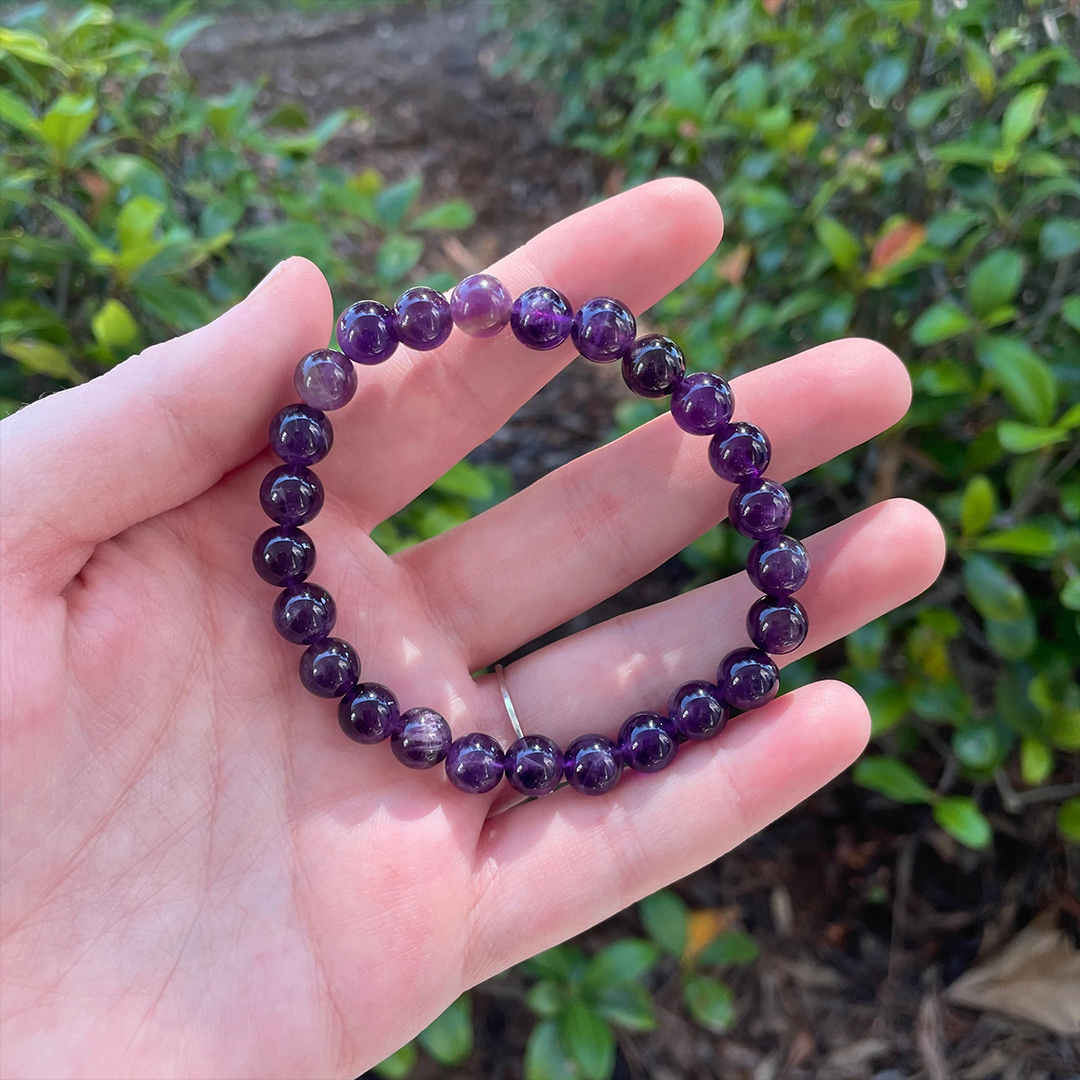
x=201 y=877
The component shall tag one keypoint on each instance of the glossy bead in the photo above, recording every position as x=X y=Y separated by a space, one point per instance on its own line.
x=698 y=710
x=777 y=624
x=749 y=678
x=291 y=494
x=648 y=742
x=283 y=555
x=474 y=763
x=325 y=379
x=739 y=452
x=534 y=765
x=702 y=403
x=760 y=509
x=304 y=614
x=421 y=318
x=301 y=435
x=480 y=305
x=368 y=713
x=778 y=566
x=541 y=318
x=330 y=667
x=420 y=739
x=603 y=330
x=592 y=764
x=653 y=366
x=365 y=333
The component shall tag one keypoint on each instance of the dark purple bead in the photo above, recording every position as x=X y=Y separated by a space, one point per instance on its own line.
x=760 y=509
x=420 y=739
x=330 y=667
x=653 y=366
x=480 y=305
x=474 y=763
x=421 y=318
x=749 y=678
x=702 y=403
x=283 y=555
x=593 y=765
x=368 y=713
x=301 y=435
x=534 y=765
x=778 y=566
x=777 y=624
x=365 y=332
x=698 y=710
x=648 y=742
x=739 y=452
x=304 y=614
x=291 y=494
x=325 y=379
x=603 y=330
x=541 y=318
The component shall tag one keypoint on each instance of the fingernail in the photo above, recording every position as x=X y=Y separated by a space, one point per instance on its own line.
x=269 y=276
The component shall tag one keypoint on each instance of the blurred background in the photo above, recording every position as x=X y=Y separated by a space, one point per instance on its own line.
x=900 y=169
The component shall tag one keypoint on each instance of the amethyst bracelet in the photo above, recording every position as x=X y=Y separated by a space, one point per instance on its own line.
x=603 y=330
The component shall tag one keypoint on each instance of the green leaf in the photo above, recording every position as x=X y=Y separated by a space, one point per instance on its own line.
x=1021 y=115
x=589 y=1040
x=751 y=84
x=1068 y=819
x=888 y=705
x=393 y=203
x=885 y=77
x=995 y=280
x=621 y=961
x=924 y=108
x=1070 y=311
x=1012 y=640
x=1036 y=761
x=397 y=256
x=43 y=358
x=178 y=307
x=114 y=326
x=1070 y=593
x=1059 y=238
x=303 y=145
x=136 y=222
x=945 y=229
x=455 y=214
x=399 y=1064
x=626 y=1005
x=449 y=1037
x=962 y=819
x=67 y=120
x=976 y=745
x=31 y=48
x=467 y=481
x=563 y=964
x=1031 y=540
x=838 y=242
x=1020 y=438
x=979 y=67
x=729 y=949
x=711 y=1002
x=286 y=238
x=891 y=777
x=1024 y=378
x=866 y=645
x=15 y=111
x=545 y=998
x=664 y=916
x=545 y=1058
x=939 y=322
x=992 y=590
x=978 y=505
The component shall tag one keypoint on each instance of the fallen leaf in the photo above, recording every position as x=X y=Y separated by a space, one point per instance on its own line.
x=900 y=242
x=703 y=926
x=733 y=268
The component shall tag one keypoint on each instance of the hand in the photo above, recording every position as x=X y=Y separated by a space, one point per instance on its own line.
x=202 y=877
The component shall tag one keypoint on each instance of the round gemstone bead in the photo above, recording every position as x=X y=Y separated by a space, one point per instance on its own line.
x=760 y=509
x=291 y=494
x=474 y=763
x=420 y=739
x=739 y=452
x=330 y=667
x=648 y=742
x=301 y=435
x=653 y=366
x=480 y=305
x=778 y=566
x=702 y=403
x=534 y=765
x=304 y=614
x=283 y=555
x=365 y=333
x=698 y=710
x=421 y=318
x=777 y=624
x=592 y=764
x=749 y=678
x=603 y=330
x=325 y=379
x=541 y=318
x=368 y=713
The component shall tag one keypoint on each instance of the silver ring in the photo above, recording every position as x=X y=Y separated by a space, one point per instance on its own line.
x=510 y=710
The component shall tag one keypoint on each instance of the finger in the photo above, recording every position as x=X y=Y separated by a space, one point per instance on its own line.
x=602 y=521
x=159 y=429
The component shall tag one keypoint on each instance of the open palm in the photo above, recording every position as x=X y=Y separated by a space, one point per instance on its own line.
x=201 y=876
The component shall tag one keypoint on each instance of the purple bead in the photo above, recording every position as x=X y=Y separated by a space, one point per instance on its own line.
x=593 y=765
x=749 y=678
x=283 y=555
x=420 y=739
x=698 y=710
x=760 y=509
x=291 y=494
x=739 y=452
x=702 y=403
x=480 y=305
x=653 y=366
x=777 y=624
x=603 y=330
x=368 y=713
x=330 y=667
x=778 y=566
x=325 y=379
x=365 y=332
x=474 y=763
x=304 y=614
x=421 y=318
x=534 y=765
x=301 y=435
x=648 y=742
x=541 y=318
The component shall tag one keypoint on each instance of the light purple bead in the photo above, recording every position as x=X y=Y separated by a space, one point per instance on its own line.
x=330 y=667
x=648 y=742
x=653 y=366
x=749 y=678
x=698 y=710
x=480 y=305
x=474 y=763
x=702 y=403
x=541 y=318
x=304 y=613
x=777 y=624
x=421 y=738
x=534 y=765
x=365 y=333
x=593 y=766
x=421 y=318
x=301 y=435
x=368 y=713
x=325 y=379
x=739 y=452
x=778 y=566
x=291 y=494
x=603 y=330
x=760 y=509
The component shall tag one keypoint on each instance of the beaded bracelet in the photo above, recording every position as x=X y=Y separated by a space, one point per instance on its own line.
x=603 y=330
